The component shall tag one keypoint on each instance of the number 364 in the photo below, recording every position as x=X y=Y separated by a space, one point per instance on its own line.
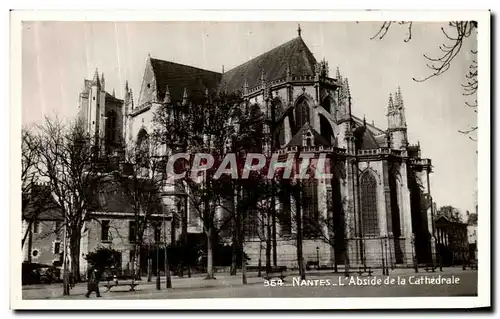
x=273 y=283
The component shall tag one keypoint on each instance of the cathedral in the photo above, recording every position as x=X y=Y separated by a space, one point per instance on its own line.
x=379 y=198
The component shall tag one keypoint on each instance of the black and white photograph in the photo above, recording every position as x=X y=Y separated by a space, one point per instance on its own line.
x=205 y=157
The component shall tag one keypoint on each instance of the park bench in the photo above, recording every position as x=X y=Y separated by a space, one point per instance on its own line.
x=310 y=264
x=115 y=282
x=275 y=272
x=365 y=269
x=429 y=267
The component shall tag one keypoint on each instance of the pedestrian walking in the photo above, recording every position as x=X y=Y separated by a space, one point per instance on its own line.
x=93 y=282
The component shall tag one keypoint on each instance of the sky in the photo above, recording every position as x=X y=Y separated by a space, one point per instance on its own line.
x=58 y=56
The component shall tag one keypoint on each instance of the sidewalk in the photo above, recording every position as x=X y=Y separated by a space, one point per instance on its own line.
x=197 y=282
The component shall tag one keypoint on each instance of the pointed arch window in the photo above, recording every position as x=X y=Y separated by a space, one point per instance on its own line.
x=142 y=154
x=301 y=113
x=368 y=187
x=310 y=217
x=279 y=130
x=111 y=126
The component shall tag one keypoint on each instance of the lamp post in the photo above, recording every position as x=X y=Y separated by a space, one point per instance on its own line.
x=413 y=252
x=382 y=253
x=317 y=257
x=391 y=240
x=158 y=285
x=386 y=257
x=167 y=270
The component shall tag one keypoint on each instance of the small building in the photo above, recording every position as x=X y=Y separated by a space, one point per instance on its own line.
x=111 y=224
x=472 y=234
x=451 y=240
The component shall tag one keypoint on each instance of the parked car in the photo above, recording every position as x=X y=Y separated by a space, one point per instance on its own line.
x=33 y=273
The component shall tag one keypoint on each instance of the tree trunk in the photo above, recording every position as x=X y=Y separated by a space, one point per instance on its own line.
x=150 y=266
x=235 y=249
x=27 y=234
x=268 y=245
x=168 y=277
x=75 y=259
x=137 y=266
x=234 y=259
x=298 y=218
x=210 y=268
x=30 y=242
x=243 y=266
x=273 y=220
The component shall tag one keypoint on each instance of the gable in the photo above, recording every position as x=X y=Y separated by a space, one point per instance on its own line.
x=148 y=85
x=297 y=139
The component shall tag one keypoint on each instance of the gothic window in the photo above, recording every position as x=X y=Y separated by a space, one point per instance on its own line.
x=111 y=126
x=142 y=155
x=285 y=217
x=310 y=215
x=301 y=113
x=369 y=205
x=252 y=224
x=279 y=132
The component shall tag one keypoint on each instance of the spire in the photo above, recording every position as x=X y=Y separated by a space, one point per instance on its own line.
x=299 y=31
x=113 y=92
x=399 y=98
x=346 y=88
x=103 y=82
x=223 y=69
x=185 y=97
x=95 y=81
x=167 y=99
x=390 y=105
x=338 y=76
x=364 y=120
x=126 y=87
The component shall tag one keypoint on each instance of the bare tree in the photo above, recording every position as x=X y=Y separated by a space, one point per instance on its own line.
x=29 y=178
x=455 y=34
x=69 y=162
x=141 y=182
x=204 y=129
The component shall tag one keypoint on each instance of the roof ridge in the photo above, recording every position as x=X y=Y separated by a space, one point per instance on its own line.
x=185 y=65
x=266 y=52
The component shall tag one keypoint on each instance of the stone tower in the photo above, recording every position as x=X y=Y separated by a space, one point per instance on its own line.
x=396 y=121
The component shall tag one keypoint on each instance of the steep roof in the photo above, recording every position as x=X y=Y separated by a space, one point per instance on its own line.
x=40 y=204
x=295 y=54
x=115 y=192
x=179 y=76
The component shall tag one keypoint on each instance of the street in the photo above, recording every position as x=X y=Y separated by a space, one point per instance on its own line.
x=400 y=283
